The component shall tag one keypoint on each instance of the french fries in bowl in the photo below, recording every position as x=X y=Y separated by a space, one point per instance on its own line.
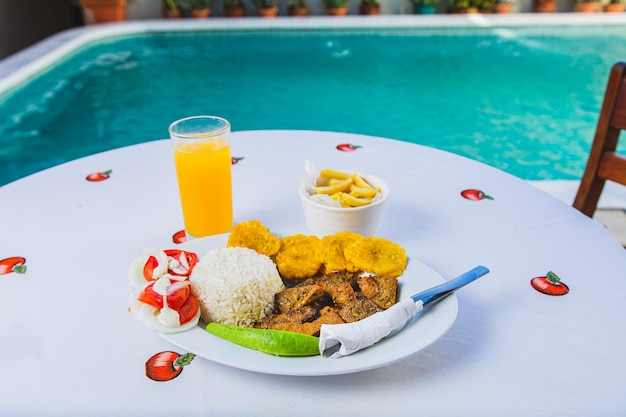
x=342 y=200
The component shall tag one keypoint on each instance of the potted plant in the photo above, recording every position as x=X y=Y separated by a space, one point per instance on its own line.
x=200 y=9
x=336 y=7
x=368 y=7
x=234 y=8
x=266 y=8
x=425 y=6
x=172 y=9
x=544 y=6
x=586 y=6
x=503 y=6
x=99 y=11
x=483 y=6
x=298 y=8
x=462 y=7
x=615 y=6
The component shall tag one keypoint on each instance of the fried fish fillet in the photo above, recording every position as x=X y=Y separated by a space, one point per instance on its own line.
x=299 y=315
x=351 y=306
x=328 y=315
x=298 y=296
x=381 y=290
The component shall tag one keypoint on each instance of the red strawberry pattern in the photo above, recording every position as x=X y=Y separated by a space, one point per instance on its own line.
x=475 y=195
x=167 y=365
x=549 y=284
x=99 y=176
x=16 y=264
x=348 y=147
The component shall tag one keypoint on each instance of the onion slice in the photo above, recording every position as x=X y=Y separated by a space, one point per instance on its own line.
x=135 y=272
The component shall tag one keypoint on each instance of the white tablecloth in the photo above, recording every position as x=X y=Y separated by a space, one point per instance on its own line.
x=69 y=346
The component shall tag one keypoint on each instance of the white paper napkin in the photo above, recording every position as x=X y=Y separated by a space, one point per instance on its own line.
x=337 y=340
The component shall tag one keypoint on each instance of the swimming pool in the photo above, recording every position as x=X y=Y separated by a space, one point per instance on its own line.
x=521 y=97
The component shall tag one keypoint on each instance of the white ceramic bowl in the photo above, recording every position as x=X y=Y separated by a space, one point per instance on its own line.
x=324 y=220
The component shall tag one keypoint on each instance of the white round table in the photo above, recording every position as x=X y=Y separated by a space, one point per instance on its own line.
x=69 y=346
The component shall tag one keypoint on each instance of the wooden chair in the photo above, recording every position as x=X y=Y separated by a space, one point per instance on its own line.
x=604 y=163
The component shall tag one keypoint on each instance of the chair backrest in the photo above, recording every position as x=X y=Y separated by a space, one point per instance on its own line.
x=604 y=163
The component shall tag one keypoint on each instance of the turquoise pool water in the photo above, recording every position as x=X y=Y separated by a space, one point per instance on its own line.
x=524 y=99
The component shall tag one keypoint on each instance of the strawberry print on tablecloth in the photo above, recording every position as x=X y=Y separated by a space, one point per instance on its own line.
x=99 y=176
x=15 y=264
x=348 y=147
x=167 y=365
x=549 y=284
x=475 y=195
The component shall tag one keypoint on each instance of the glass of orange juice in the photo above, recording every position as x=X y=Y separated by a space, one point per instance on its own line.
x=203 y=168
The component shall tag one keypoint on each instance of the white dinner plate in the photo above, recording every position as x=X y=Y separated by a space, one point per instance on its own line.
x=431 y=325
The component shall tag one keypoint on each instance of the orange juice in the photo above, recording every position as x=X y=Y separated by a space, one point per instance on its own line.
x=203 y=168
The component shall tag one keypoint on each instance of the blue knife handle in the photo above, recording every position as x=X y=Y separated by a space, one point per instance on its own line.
x=433 y=294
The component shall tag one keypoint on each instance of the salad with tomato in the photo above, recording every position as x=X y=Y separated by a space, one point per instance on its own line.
x=161 y=294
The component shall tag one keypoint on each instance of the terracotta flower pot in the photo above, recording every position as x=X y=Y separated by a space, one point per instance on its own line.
x=587 y=7
x=172 y=13
x=201 y=13
x=267 y=11
x=298 y=10
x=234 y=11
x=369 y=9
x=544 y=6
x=337 y=11
x=502 y=8
x=99 y=11
x=614 y=8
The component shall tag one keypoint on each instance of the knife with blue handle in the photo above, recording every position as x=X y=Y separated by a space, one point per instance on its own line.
x=434 y=294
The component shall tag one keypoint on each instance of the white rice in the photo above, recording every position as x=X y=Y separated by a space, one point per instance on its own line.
x=235 y=286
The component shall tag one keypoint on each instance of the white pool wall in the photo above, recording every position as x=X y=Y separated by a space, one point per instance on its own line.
x=26 y=64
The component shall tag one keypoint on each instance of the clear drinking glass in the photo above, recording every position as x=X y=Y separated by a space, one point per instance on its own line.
x=203 y=167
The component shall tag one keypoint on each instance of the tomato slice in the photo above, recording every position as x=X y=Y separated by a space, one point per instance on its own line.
x=190 y=258
x=189 y=309
x=175 y=299
x=148 y=268
x=151 y=297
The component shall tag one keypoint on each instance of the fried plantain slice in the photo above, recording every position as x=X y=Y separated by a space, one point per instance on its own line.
x=331 y=251
x=377 y=255
x=297 y=257
x=252 y=234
